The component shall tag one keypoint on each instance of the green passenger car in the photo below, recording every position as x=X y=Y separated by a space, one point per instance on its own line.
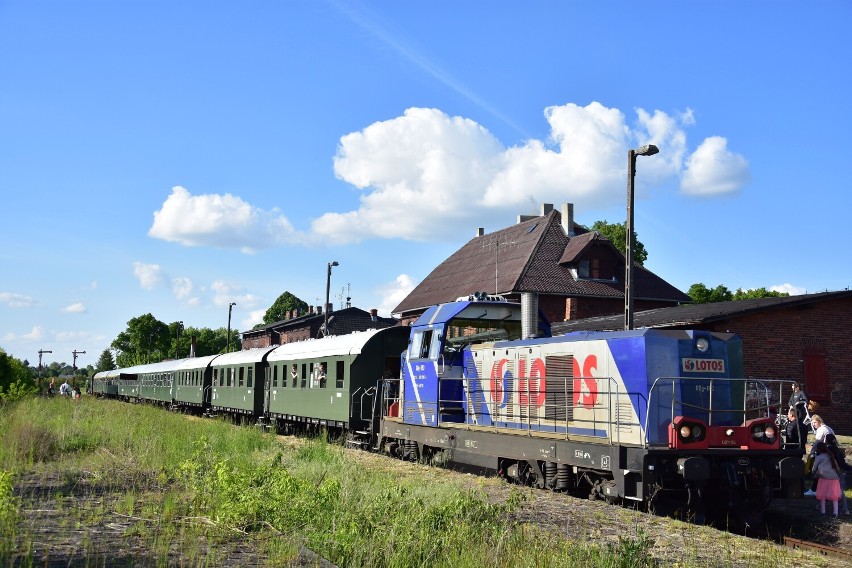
x=193 y=382
x=105 y=383
x=237 y=382
x=330 y=381
x=156 y=381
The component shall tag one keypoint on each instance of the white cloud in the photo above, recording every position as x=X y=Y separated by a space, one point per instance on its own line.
x=224 y=221
x=712 y=169
x=182 y=287
x=75 y=308
x=450 y=169
x=393 y=293
x=16 y=300
x=453 y=172
x=35 y=334
x=788 y=288
x=255 y=317
x=149 y=275
x=224 y=294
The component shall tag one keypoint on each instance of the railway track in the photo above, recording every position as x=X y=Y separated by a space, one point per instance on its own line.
x=822 y=549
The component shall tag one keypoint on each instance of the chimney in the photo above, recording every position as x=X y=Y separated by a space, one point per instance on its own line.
x=568 y=219
x=318 y=310
x=480 y=231
x=329 y=308
x=374 y=314
x=311 y=310
x=545 y=209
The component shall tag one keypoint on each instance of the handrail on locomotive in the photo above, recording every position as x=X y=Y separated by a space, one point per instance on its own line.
x=761 y=398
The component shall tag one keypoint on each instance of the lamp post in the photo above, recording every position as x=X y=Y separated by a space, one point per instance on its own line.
x=647 y=150
x=327 y=290
x=230 y=307
x=177 y=336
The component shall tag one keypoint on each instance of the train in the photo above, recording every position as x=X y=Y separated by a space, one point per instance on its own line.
x=658 y=419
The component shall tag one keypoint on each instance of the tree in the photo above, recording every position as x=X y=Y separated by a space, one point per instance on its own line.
x=146 y=340
x=105 y=362
x=617 y=234
x=285 y=303
x=16 y=380
x=700 y=294
x=754 y=293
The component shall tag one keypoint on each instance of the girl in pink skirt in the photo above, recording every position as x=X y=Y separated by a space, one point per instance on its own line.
x=827 y=472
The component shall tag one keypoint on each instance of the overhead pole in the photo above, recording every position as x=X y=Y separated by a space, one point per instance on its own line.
x=647 y=150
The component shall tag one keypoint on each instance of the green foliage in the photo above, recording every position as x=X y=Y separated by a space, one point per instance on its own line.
x=105 y=362
x=700 y=294
x=755 y=293
x=148 y=340
x=285 y=303
x=16 y=379
x=145 y=340
x=617 y=234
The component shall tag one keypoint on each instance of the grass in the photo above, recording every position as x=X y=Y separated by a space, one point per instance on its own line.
x=198 y=492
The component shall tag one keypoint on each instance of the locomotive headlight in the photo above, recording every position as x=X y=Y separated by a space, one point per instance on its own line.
x=729 y=432
x=702 y=345
x=685 y=431
x=697 y=432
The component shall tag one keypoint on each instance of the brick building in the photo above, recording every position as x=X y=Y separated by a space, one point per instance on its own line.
x=805 y=338
x=573 y=272
x=300 y=327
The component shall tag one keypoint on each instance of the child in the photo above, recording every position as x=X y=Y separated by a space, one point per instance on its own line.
x=827 y=472
x=839 y=457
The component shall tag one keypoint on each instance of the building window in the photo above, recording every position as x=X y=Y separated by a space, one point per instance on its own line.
x=583 y=269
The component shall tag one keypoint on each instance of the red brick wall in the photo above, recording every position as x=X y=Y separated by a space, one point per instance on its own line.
x=773 y=347
x=257 y=341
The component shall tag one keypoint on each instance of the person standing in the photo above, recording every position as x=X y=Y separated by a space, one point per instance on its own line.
x=65 y=388
x=843 y=467
x=827 y=474
x=51 y=388
x=799 y=402
x=796 y=432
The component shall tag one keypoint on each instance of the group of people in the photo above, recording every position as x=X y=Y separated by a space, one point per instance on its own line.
x=65 y=389
x=828 y=459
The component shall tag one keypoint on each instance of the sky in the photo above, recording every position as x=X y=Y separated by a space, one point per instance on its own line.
x=174 y=157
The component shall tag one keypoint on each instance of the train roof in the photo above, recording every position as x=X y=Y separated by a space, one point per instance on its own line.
x=472 y=310
x=349 y=344
x=242 y=357
x=195 y=362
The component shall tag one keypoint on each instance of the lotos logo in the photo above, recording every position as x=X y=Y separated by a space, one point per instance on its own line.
x=585 y=386
x=703 y=365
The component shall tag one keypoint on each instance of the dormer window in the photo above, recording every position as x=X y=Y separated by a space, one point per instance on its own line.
x=583 y=269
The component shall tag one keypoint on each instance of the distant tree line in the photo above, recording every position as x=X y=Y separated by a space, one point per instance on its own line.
x=701 y=294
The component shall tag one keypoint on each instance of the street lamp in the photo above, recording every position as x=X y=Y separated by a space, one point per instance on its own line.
x=177 y=336
x=327 y=291
x=230 y=307
x=647 y=150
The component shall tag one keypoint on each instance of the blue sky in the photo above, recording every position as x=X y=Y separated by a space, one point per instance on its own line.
x=172 y=157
